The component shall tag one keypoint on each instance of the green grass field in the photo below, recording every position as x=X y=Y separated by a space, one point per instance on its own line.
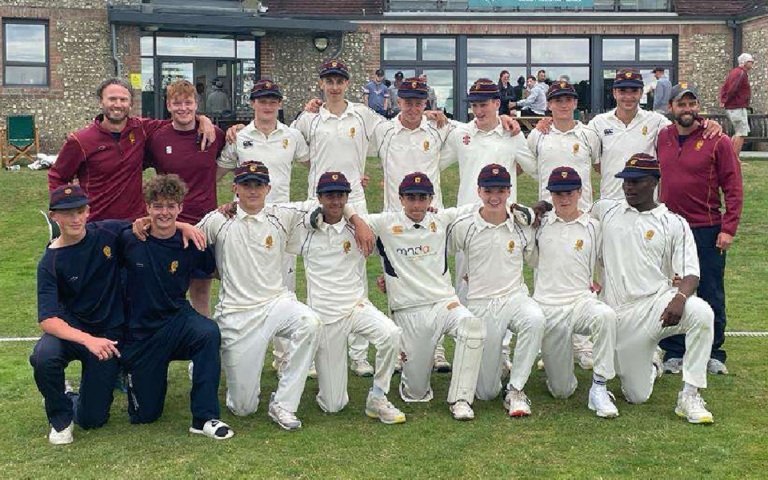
x=561 y=439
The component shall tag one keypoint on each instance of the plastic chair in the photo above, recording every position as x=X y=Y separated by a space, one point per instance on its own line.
x=21 y=139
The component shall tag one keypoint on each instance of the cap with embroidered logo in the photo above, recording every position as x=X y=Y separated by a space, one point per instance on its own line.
x=416 y=182
x=266 y=88
x=334 y=67
x=413 y=88
x=333 y=182
x=494 y=175
x=483 y=89
x=564 y=179
x=640 y=165
x=252 y=171
x=67 y=197
x=683 y=88
x=561 y=89
x=628 y=78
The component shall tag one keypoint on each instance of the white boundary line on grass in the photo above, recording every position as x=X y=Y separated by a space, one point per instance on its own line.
x=727 y=334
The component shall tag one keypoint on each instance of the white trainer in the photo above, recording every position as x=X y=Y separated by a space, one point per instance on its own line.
x=601 y=402
x=585 y=360
x=381 y=408
x=517 y=404
x=658 y=364
x=693 y=408
x=462 y=411
x=716 y=367
x=63 y=437
x=312 y=373
x=278 y=366
x=287 y=420
x=362 y=368
x=673 y=365
x=215 y=429
x=441 y=365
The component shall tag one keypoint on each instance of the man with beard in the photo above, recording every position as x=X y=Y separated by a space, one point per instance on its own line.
x=697 y=171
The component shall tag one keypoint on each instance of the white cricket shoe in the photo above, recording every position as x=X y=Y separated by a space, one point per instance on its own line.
x=362 y=368
x=585 y=360
x=381 y=408
x=462 y=410
x=441 y=365
x=517 y=404
x=658 y=364
x=601 y=402
x=287 y=420
x=716 y=367
x=693 y=408
x=215 y=429
x=63 y=437
x=312 y=373
x=673 y=365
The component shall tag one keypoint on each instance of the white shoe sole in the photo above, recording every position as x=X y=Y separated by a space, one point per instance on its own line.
x=287 y=428
x=696 y=421
x=375 y=416
x=200 y=432
x=603 y=414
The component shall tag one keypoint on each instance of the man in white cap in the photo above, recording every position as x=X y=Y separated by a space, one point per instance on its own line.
x=734 y=98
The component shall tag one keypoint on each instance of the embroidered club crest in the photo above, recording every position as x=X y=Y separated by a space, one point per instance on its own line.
x=579 y=244
x=252 y=168
x=174 y=266
x=495 y=171
x=511 y=246
x=334 y=177
x=465 y=139
x=563 y=84
x=268 y=242
x=267 y=85
x=347 y=246
x=414 y=84
x=352 y=132
x=645 y=131
x=649 y=234
x=683 y=85
x=575 y=148
x=432 y=227
x=285 y=143
x=628 y=75
x=67 y=191
x=132 y=138
x=107 y=251
x=397 y=229
x=564 y=174
x=633 y=162
x=334 y=64
x=417 y=180
x=426 y=145
x=699 y=144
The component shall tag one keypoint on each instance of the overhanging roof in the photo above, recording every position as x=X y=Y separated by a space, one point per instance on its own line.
x=220 y=22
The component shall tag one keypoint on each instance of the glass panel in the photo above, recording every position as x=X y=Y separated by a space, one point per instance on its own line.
x=25 y=42
x=196 y=46
x=560 y=50
x=26 y=75
x=147 y=45
x=147 y=87
x=577 y=76
x=656 y=49
x=474 y=73
x=245 y=72
x=618 y=49
x=399 y=49
x=608 y=76
x=442 y=82
x=246 y=49
x=438 y=49
x=172 y=71
x=496 y=50
x=389 y=73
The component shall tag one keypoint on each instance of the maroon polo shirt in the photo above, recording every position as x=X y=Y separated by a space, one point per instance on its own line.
x=108 y=169
x=736 y=92
x=174 y=151
x=695 y=173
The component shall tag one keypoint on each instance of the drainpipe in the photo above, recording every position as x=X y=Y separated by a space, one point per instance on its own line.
x=118 y=68
x=737 y=39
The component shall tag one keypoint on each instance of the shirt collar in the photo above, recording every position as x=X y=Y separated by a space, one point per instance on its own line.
x=572 y=131
x=411 y=225
x=243 y=215
x=338 y=226
x=498 y=129
x=399 y=125
x=483 y=224
x=252 y=131
x=325 y=114
x=551 y=218
x=659 y=211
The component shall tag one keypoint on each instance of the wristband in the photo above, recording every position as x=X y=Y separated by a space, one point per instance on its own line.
x=685 y=297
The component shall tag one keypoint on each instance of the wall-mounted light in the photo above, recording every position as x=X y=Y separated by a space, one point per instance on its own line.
x=258 y=33
x=321 y=42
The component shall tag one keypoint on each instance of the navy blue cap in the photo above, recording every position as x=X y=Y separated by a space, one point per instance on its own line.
x=252 y=171
x=413 y=88
x=416 y=182
x=483 y=89
x=67 y=197
x=334 y=67
x=640 y=165
x=563 y=179
x=266 y=88
x=494 y=175
x=333 y=182
x=628 y=78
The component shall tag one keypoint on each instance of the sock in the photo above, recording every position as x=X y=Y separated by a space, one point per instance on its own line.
x=598 y=380
x=689 y=389
x=377 y=392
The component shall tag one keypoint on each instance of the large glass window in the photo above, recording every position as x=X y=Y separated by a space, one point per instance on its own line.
x=619 y=49
x=196 y=46
x=399 y=49
x=440 y=49
x=560 y=50
x=496 y=50
x=656 y=49
x=25 y=53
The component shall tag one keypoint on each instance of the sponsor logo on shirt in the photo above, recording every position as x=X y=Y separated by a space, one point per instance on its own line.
x=347 y=246
x=168 y=149
x=608 y=131
x=418 y=251
x=465 y=139
x=107 y=251
x=397 y=229
x=174 y=266
x=649 y=234
x=268 y=242
x=579 y=244
x=247 y=144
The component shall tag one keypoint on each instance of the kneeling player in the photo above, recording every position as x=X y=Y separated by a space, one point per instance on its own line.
x=567 y=246
x=162 y=325
x=494 y=246
x=80 y=309
x=336 y=292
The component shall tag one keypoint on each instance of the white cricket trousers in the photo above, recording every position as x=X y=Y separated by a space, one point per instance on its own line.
x=244 y=340
x=639 y=331
x=516 y=313
x=584 y=316
x=369 y=323
x=422 y=327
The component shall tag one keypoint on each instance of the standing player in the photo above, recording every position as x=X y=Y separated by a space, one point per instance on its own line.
x=697 y=172
x=494 y=246
x=567 y=248
x=338 y=136
x=568 y=143
x=412 y=244
x=80 y=311
x=638 y=288
x=162 y=325
x=335 y=292
x=175 y=149
x=253 y=307
x=278 y=146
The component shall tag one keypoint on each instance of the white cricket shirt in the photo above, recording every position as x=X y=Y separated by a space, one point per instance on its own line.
x=277 y=151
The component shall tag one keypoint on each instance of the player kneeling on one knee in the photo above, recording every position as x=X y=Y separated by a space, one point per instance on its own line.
x=494 y=244
x=336 y=292
x=567 y=247
x=645 y=246
x=162 y=325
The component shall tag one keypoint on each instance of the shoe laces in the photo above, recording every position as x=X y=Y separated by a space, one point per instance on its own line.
x=695 y=402
x=518 y=396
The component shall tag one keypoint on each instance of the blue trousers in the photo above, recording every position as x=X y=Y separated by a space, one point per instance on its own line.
x=711 y=289
x=90 y=408
x=186 y=336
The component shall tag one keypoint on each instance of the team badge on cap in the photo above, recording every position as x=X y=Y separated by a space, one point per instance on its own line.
x=640 y=165
x=628 y=78
x=413 y=87
x=416 y=182
x=266 y=88
x=563 y=179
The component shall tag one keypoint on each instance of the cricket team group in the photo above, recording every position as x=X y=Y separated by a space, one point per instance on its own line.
x=125 y=284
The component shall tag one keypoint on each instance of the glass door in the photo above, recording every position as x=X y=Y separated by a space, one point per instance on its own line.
x=170 y=71
x=442 y=80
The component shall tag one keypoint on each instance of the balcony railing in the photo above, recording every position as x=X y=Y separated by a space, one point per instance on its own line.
x=528 y=5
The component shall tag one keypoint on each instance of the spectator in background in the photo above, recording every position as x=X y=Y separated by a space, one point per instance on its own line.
x=661 y=92
x=218 y=101
x=376 y=94
x=519 y=88
x=535 y=104
x=734 y=98
x=395 y=109
x=432 y=96
x=506 y=91
x=541 y=77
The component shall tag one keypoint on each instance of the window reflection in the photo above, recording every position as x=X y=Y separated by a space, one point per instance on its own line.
x=147 y=45
x=474 y=73
x=17 y=75
x=25 y=43
x=438 y=49
x=619 y=49
x=560 y=50
x=576 y=76
x=399 y=49
x=246 y=49
x=496 y=50
x=389 y=73
x=442 y=82
x=196 y=46
x=656 y=49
